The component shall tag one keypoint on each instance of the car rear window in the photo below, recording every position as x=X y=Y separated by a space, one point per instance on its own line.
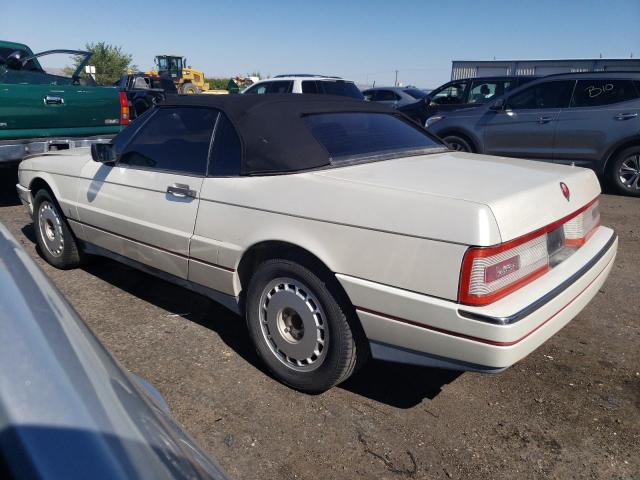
x=348 y=136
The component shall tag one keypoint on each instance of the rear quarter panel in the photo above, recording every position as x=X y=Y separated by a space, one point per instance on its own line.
x=225 y=230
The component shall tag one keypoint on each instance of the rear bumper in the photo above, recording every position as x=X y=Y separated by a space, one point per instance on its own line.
x=414 y=328
x=13 y=151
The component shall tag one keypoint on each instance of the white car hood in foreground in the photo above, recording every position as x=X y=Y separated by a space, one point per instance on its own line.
x=522 y=195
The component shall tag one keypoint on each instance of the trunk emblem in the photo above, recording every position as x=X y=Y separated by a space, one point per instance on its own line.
x=565 y=190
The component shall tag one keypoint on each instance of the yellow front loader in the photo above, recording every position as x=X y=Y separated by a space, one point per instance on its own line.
x=188 y=80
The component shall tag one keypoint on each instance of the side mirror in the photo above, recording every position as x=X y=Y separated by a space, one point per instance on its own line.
x=103 y=152
x=498 y=105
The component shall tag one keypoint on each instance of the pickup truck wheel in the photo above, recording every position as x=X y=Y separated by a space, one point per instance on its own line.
x=299 y=329
x=53 y=236
x=624 y=172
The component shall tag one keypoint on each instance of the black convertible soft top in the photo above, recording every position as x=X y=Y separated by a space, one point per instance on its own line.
x=273 y=135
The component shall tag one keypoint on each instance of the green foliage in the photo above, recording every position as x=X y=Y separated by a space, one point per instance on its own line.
x=110 y=62
x=217 y=83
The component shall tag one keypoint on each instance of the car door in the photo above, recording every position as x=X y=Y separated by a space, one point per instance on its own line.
x=525 y=128
x=603 y=113
x=144 y=207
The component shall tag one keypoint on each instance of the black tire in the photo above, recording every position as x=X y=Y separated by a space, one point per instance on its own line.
x=457 y=143
x=55 y=240
x=190 y=89
x=624 y=172
x=290 y=290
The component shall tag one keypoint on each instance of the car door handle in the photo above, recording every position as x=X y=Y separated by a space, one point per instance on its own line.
x=180 y=190
x=544 y=119
x=626 y=116
x=52 y=100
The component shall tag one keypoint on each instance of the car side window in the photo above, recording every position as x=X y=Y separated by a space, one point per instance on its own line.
x=226 y=152
x=259 y=89
x=387 y=96
x=482 y=92
x=281 y=86
x=452 y=94
x=555 y=94
x=310 y=86
x=173 y=140
x=595 y=93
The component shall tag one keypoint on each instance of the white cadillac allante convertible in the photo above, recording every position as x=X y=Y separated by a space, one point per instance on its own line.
x=338 y=228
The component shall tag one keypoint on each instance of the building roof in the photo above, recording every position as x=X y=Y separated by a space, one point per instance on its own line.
x=273 y=134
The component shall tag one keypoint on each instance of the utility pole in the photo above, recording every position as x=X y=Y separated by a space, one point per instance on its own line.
x=396 y=84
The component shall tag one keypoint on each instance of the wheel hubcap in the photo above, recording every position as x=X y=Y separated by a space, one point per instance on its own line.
x=50 y=229
x=293 y=324
x=458 y=147
x=629 y=172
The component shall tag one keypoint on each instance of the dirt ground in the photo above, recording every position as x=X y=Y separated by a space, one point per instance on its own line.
x=569 y=410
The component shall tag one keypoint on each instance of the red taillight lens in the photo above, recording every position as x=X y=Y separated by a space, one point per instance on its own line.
x=490 y=273
x=124 y=109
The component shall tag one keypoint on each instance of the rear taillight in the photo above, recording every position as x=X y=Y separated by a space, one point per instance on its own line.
x=578 y=230
x=490 y=273
x=124 y=109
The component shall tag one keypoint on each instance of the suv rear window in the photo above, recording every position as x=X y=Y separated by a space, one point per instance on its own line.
x=346 y=136
x=594 y=93
x=332 y=87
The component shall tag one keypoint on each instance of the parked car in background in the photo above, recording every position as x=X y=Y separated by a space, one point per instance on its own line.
x=587 y=119
x=463 y=93
x=306 y=83
x=67 y=409
x=340 y=230
x=145 y=91
x=40 y=111
x=394 y=96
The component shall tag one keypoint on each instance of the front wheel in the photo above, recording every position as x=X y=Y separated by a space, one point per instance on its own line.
x=53 y=236
x=190 y=89
x=624 y=172
x=457 y=143
x=299 y=328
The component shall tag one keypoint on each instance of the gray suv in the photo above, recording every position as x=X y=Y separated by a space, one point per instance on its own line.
x=588 y=119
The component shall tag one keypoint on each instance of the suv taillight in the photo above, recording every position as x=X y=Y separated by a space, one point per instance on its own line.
x=491 y=273
x=124 y=109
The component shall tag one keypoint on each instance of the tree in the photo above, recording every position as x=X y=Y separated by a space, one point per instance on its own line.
x=110 y=62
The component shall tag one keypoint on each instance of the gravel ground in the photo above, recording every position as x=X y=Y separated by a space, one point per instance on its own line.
x=569 y=410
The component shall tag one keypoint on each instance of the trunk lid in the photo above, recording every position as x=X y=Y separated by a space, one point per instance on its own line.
x=523 y=195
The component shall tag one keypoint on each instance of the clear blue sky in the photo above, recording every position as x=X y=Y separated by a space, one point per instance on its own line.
x=360 y=40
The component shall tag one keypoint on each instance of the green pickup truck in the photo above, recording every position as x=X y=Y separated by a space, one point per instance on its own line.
x=42 y=111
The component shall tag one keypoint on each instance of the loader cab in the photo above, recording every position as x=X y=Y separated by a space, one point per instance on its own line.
x=170 y=65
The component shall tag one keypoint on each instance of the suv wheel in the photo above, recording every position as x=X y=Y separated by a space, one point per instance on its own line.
x=624 y=172
x=457 y=143
x=53 y=236
x=300 y=330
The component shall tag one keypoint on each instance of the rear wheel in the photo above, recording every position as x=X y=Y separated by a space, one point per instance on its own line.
x=624 y=172
x=299 y=328
x=457 y=143
x=54 y=237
